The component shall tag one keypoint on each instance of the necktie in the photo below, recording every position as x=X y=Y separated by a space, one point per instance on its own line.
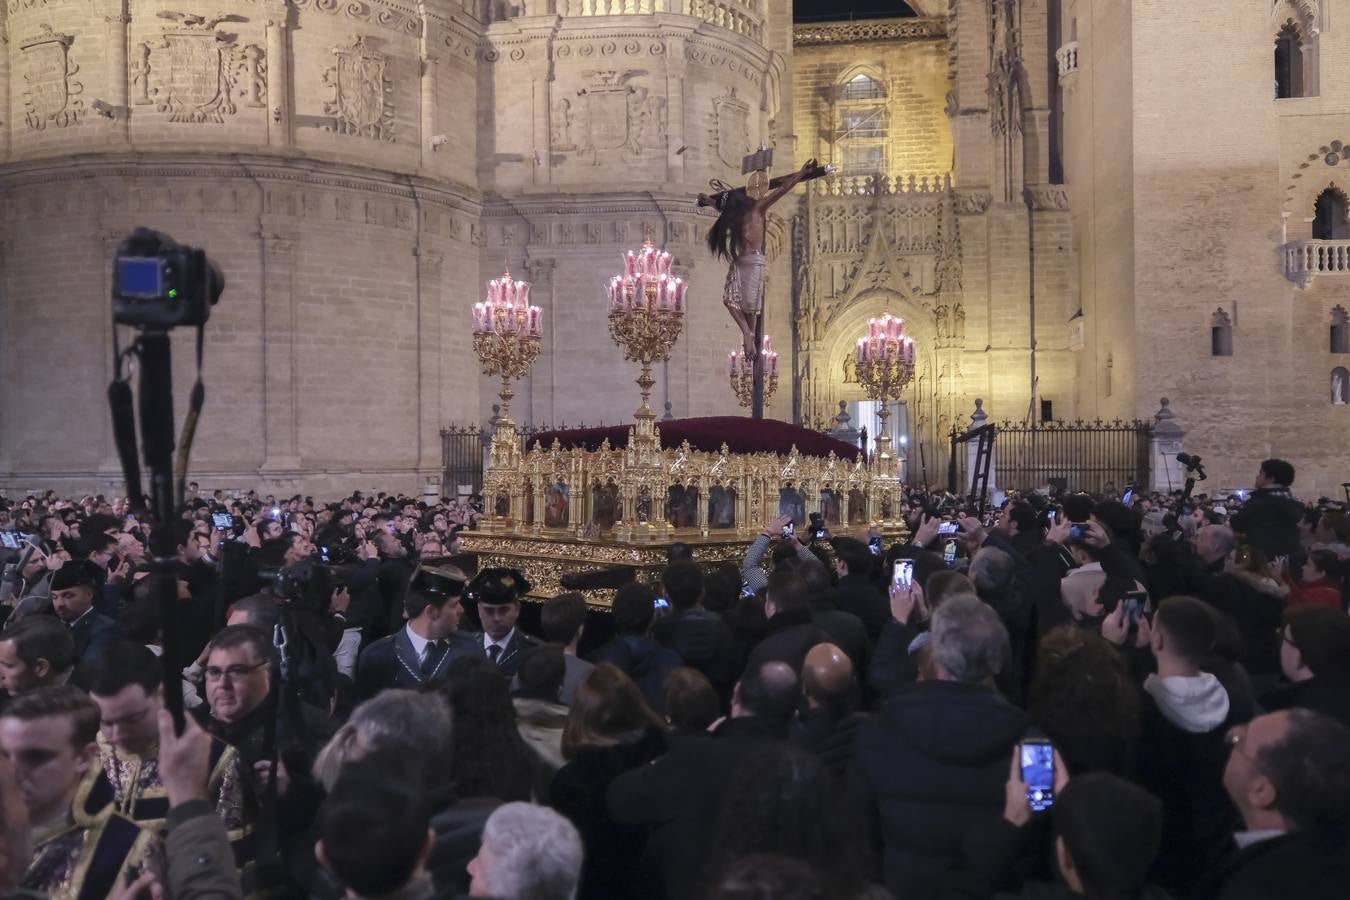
x=432 y=658
x=494 y=652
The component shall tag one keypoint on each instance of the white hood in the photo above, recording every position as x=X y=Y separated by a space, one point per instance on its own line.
x=1197 y=705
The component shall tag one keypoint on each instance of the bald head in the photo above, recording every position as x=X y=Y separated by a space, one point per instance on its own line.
x=827 y=676
x=1214 y=542
x=772 y=690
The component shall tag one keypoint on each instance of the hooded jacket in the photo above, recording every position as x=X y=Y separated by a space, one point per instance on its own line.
x=931 y=765
x=1180 y=759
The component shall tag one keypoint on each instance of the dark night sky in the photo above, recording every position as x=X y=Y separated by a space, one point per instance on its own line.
x=831 y=10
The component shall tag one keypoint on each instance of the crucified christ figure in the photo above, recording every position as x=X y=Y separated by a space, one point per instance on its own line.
x=738 y=237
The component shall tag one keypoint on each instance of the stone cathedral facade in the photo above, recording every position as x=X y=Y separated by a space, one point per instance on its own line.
x=1070 y=221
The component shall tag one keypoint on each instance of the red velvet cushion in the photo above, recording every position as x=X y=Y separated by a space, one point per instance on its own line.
x=740 y=434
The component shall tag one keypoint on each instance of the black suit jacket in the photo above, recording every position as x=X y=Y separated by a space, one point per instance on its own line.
x=678 y=797
x=93 y=634
x=391 y=662
x=1293 y=866
x=509 y=661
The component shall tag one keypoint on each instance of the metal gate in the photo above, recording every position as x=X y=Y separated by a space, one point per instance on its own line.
x=1069 y=456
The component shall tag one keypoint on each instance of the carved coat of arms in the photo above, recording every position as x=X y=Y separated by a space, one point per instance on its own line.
x=614 y=112
x=195 y=73
x=50 y=93
x=362 y=102
x=731 y=128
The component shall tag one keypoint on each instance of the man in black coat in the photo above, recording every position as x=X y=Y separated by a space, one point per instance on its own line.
x=792 y=632
x=1270 y=517
x=829 y=726
x=1289 y=775
x=700 y=637
x=678 y=796
x=420 y=652
x=497 y=593
x=933 y=763
x=856 y=593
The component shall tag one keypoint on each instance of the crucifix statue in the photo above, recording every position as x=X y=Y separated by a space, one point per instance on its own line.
x=738 y=237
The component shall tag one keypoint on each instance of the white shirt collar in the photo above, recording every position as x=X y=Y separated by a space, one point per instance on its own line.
x=81 y=616
x=419 y=643
x=488 y=641
x=1245 y=839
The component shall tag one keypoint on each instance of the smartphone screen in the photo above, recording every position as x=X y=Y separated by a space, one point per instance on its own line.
x=947 y=528
x=1038 y=772
x=222 y=521
x=1050 y=516
x=949 y=554
x=323 y=554
x=875 y=546
x=789 y=530
x=661 y=603
x=1078 y=532
x=1129 y=495
x=8 y=540
x=1134 y=606
x=903 y=573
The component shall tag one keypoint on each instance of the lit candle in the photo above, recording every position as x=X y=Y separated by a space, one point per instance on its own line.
x=524 y=287
x=731 y=363
x=861 y=355
x=536 y=319
x=629 y=264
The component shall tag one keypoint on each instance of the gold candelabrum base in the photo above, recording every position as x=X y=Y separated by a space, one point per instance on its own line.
x=884 y=380
x=647 y=335
x=743 y=386
x=508 y=355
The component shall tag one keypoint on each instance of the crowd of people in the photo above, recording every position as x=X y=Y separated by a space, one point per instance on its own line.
x=1138 y=696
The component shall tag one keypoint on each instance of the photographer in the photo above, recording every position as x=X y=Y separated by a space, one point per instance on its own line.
x=1270 y=518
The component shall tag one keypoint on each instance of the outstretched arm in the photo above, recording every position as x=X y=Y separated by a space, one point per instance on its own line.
x=791 y=182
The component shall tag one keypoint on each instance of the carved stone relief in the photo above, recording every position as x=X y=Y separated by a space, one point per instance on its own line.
x=731 y=128
x=403 y=21
x=362 y=103
x=51 y=95
x=195 y=73
x=613 y=112
x=1048 y=197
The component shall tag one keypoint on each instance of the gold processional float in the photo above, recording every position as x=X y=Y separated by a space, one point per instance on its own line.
x=552 y=511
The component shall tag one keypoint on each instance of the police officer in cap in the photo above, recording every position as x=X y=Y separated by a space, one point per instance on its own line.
x=74 y=586
x=420 y=651
x=497 y=593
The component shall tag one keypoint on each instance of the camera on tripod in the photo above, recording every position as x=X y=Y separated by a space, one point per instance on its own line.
x=1192 y=464
x=159 y=283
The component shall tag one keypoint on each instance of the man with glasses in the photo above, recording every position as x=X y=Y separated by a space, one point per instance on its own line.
x=125 y=686
x=1288 y=773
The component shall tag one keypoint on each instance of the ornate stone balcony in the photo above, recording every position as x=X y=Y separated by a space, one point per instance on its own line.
x=1067 y=57
x=1305 y=260
x=740 y=16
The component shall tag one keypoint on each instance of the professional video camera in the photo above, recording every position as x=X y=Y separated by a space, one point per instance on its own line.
x=1192 y=464
x=159 y=283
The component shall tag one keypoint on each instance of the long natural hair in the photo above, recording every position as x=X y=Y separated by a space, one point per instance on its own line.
x=607 y=706
x=785 y=802
x=490 y=757
x=1084 y=700
x=724 y=237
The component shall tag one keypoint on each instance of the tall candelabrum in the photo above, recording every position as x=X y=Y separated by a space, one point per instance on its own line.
x=741 y=371
x=646 y=313
x=506 y=330
x=885 y=364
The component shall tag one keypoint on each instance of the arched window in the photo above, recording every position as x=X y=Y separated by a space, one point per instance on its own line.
x=861 y=87
x=1288 y=62
x=1340 y=330
x=1331 y=216
x=1221 y=334
x=1340 y=385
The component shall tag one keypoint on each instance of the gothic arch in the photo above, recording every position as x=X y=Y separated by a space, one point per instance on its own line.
x=1307 y=14
x=854 y=71
x=1304 y=19
x=850 y=323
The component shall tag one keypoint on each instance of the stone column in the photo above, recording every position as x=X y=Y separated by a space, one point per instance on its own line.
x=1165 y=473
x=278 y=76
x=429 y=420
x=117 y=73
x=977 y=419
x=7 y=417
x=428 y=62
x=281 y=431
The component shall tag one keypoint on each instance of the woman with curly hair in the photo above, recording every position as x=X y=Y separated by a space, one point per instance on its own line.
x=1085 y=701
x=784 y=802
